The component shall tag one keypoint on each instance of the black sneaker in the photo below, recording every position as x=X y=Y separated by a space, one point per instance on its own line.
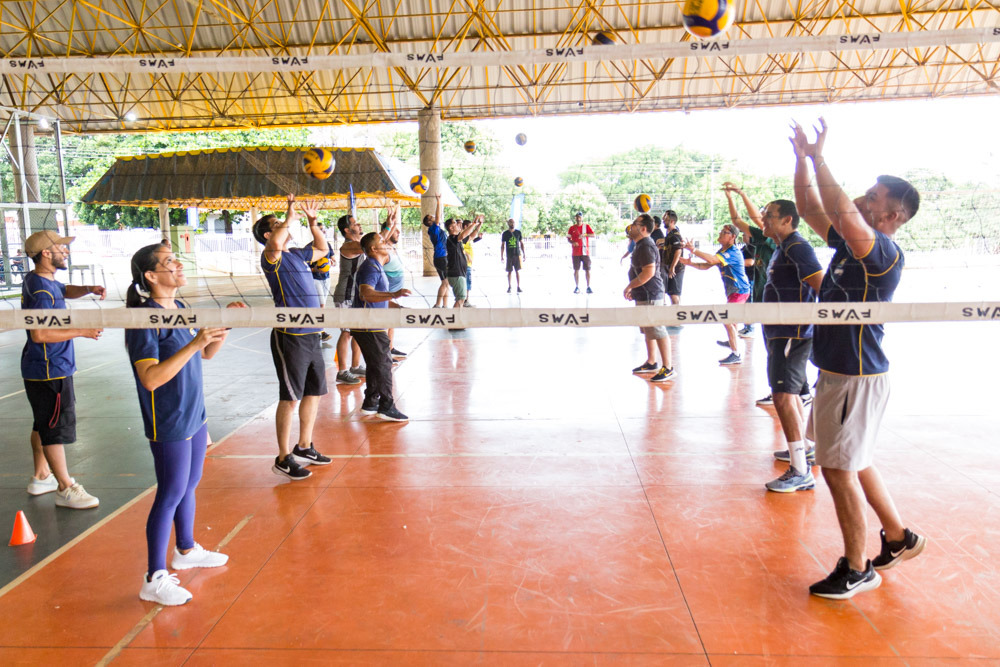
x=508 y=290
x=289 y=468
x=392 y=415
x=844 y=583
x=722 y=343
x=807 y=400
x=767 y=400
x=896 y=552
x=369 y=408
x=664 y=375
x=309 y=456
x=590 y=291
x=396 y=353
x=519 y=290
x=324 y=336
x=576 y=290
x=647 y=367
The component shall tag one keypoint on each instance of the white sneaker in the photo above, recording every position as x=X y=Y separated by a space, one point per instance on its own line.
x=38 y=487
x=165 y=589
x=76 y=497
x=199 y=556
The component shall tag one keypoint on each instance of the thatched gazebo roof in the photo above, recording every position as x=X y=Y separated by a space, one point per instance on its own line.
x=259 y=176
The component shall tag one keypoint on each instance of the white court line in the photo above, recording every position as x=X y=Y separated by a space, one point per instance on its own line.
x=92 y=368
x=487 y=455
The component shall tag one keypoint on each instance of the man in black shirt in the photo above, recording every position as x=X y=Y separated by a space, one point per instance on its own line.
x=511 y=243
x=457 y=263
x=671 y=267
x=645 y=287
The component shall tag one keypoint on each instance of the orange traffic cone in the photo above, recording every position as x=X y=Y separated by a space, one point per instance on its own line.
x=22 y=532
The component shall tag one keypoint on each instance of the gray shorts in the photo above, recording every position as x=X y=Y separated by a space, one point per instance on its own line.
x=459 y=287
x=845 y=419
x=652 y=333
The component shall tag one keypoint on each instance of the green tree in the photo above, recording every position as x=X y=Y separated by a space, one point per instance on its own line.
x=586 y=198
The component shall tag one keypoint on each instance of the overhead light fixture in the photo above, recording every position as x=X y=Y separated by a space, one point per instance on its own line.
x=43 y=123
x=131 y=116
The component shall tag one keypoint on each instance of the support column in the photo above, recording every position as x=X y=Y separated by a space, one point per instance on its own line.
x=165 y=222
x=429 y=145
x=26 y=183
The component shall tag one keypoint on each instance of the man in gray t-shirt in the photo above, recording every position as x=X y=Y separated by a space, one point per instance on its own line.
x=645 y=287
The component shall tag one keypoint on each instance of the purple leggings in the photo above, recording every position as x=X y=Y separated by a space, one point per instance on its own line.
x=178 y=471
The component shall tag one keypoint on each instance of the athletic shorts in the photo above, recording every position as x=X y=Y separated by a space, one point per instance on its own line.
x=441 y=266
x=513 y=263
x=736 y=297
x=322 y=291
x=459 y=288
x=300 y=366
x=845 y=419
x=675 y=284
x=786 y=364
x=53 y=407
x=581 y=260
x=652 y=333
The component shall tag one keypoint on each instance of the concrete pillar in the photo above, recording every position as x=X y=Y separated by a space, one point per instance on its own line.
x=165 y=223
x=429 y=145
x=26 y=183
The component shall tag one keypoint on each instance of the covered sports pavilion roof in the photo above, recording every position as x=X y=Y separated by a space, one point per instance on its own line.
x=259 y=177
x=201 y=64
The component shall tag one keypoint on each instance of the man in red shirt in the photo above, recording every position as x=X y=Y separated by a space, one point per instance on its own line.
x=579 y=239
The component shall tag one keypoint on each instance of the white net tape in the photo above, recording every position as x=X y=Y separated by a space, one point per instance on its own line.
x=451 y=318
x=166 y=64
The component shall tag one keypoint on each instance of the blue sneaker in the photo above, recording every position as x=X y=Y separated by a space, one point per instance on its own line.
x=791 y=482
x=590 y=291
x=732 y=360
x=783 y=455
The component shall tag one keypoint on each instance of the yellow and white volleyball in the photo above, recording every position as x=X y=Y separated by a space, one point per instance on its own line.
x=518 y=181
x=604 y=38
x=708 y=18
x=318 y=163
x=521 y=139
x=419 y=184
x=643 y=203
x=470 y=146
x=321 y=265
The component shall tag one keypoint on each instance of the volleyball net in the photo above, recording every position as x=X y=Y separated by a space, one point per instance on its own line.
x=454 y=318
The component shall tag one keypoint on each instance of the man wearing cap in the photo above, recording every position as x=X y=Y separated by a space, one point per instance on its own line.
x=729 y=259
x=579 y=236
x=296 y=352
x=47 y=366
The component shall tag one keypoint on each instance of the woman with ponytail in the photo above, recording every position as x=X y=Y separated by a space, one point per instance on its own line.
x=167 y=368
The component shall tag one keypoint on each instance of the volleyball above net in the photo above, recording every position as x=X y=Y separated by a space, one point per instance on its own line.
x=604 y=38
x=643 y=203
x=470 y=146
x=521 y=139
x=318 y=163
x=707 y=18
x=518 y=181
x=419 y=184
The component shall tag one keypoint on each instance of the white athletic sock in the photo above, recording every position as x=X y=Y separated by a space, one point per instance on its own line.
x=797 y=452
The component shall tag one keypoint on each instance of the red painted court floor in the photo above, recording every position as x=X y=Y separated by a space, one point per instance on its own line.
x=544 y=506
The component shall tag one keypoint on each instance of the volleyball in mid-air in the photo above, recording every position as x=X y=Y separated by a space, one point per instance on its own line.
x=643 y=203
x=318 y=163
x=604 y=38
x=419 y=184
x=470 y=146
x=521 y=139
x=518 y=181
x=321 y=265
x=708 y=18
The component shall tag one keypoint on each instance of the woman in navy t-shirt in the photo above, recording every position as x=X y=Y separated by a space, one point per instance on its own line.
x=167 y=368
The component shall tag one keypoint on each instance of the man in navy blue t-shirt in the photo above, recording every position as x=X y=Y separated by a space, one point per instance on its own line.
x=853 y=387
x=296 y=351
x=372 y=291
x=438 y=239
x=48 y=363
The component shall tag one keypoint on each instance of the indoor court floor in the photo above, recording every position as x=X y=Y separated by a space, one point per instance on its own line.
x=542 y=506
